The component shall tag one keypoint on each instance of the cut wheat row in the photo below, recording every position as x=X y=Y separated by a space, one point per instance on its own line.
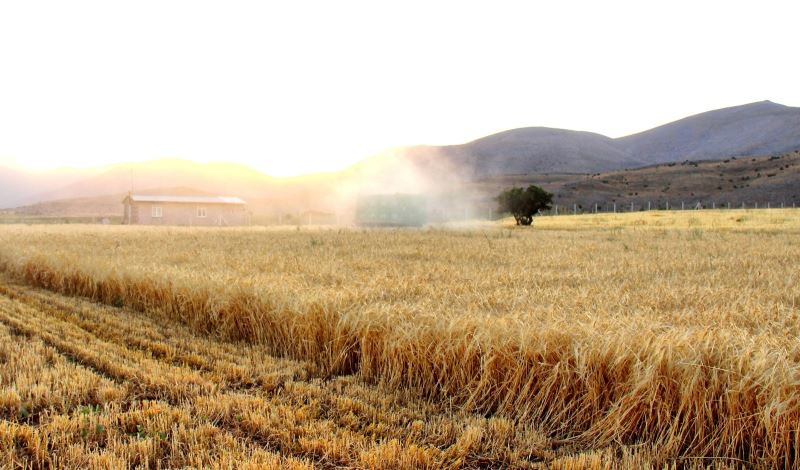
x=335 y=419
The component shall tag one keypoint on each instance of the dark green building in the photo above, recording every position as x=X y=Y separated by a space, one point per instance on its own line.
x=391 y=210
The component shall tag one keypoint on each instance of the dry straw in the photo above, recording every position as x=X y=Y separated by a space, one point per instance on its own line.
x=682 y=336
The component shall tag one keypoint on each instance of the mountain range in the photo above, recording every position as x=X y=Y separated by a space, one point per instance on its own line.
x=761 y=128
x=756 y=129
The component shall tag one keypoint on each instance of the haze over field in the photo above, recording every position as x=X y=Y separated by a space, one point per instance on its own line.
x=476 y=171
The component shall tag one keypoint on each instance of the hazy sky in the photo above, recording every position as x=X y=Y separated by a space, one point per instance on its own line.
x=297 y=86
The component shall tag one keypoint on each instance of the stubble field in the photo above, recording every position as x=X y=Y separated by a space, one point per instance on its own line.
x=608 y=341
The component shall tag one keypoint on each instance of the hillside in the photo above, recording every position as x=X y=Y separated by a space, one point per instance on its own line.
x=750 y=180
x=106 y=205
x=97 y=192
x=531 y=150
x=12 y=183
x=761 y=128
x=220 y=178
x=17 y=186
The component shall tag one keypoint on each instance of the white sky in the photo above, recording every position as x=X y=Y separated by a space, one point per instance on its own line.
x=298 y=86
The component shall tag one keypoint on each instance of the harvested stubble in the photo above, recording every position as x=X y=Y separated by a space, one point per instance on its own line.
x=58 y=414
x=681 y=339
x=90 y=387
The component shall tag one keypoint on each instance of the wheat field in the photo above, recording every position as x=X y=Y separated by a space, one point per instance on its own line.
x=641 y=340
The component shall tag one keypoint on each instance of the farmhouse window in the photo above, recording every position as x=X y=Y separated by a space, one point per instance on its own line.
x=201 y=212
x=156 y=211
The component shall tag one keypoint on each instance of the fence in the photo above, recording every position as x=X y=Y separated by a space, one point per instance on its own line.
x=597 y=207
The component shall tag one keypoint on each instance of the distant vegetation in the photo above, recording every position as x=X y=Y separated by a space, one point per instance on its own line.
x=524 y=204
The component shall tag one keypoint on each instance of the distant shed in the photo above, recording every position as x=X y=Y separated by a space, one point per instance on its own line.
x=143 y=209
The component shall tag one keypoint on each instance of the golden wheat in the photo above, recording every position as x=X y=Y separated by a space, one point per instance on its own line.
x=671 y=332
x=123 y=408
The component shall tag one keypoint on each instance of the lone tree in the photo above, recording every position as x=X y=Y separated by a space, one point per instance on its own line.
x=523 y=204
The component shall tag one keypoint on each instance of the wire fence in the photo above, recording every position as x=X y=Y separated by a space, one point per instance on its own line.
x=606 y=207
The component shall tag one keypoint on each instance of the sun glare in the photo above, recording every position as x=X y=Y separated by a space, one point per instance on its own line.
x=353 y=80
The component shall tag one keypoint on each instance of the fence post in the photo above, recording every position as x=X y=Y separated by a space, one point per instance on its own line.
x=756 y=205
x=615 y=207
x=595 y=208
x=729 y=204
x=713 y=204
x=574 y=209
x=667 y=205
x=631 y=207
x=648 y=205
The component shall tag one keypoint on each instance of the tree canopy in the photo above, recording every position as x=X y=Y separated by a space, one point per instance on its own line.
x=524 y=204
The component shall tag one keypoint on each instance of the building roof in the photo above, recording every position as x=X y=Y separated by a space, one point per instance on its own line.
x=186 y=199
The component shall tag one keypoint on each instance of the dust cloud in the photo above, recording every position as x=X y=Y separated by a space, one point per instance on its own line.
x=420 y=172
